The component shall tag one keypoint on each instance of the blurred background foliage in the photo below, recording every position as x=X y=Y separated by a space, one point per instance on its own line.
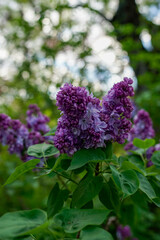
x=91 y=43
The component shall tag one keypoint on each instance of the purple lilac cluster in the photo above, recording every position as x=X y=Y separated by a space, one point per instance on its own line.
x=87 y=124
x=117 y=109
x=124 y=233
x=36 y=120
x=18 y=137
x=142 y=129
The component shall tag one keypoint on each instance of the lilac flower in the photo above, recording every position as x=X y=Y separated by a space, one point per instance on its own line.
x=19 y=137
x=80 y=126
x=4 y=125
x=123 y=232
x=36 y=121
x=116 y=111
x=34 y=138
x=85 y=124
x=135 y=109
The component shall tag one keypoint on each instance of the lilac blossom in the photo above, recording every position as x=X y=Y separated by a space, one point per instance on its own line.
x=80 y=125
x=87 y=124
x=4 y=125
x=37 y=121
x=18 y=137
x=116 y=111
x=123 y=232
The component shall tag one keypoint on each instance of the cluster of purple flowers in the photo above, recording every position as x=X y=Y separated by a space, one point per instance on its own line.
x=18 y=136
x=87 y=124
x=142 y=129
x=36 y=120
x=124 y=233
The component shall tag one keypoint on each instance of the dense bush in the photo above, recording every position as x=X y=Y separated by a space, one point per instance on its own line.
x=96 y=194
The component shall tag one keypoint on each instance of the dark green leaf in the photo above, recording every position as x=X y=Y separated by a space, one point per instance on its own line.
x=146 y=187
x=116 y=176
x=144 y=144
x=73 y=220
x=95 y=233
x=20 y=170
x=84 y=156
x=152 y=171
x=65 y=161
x=137 y=160
x=127 y=180
x=87 y=189
x=109 y=195
x=108 y=150
x=156 y=158
x=56 y=200
x=126 y=165
x=17 y=223
x=42 y=150
x=140 y=199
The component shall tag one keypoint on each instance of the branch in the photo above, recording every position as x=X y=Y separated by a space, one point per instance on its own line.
x=65 y=6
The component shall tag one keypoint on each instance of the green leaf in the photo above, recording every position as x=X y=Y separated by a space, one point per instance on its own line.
x=20 y=170
x=65 y=161
x=127 y=180
x=137 y=160
x=144 y=144
x=87 y=189
x=108 y=150
x=42 y=150
x=140 y=199
x=73 y=220
x=56 y=200
x=126 y=165
x=116 y=176
x=15 y=224
x=152 y=171
x=146 y=187
x=84 y=156
x=109 y=196
x=51 y=132
x=156 y=158
x=95 y=233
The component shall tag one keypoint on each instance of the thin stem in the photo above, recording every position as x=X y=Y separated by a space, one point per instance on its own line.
x=70 y=179
x=63 y=183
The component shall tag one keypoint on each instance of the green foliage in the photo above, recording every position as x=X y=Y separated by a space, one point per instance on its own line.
x=73 y=220
x=87 y=189
x=42 y=150
x=127 y=181
x=109 y=195
x=19 y=223
x=100 y=187
x=144 y=144
x=85 y=156
x=56 y=200
x=95 y=233
x=156 y=159
x=20 y=170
